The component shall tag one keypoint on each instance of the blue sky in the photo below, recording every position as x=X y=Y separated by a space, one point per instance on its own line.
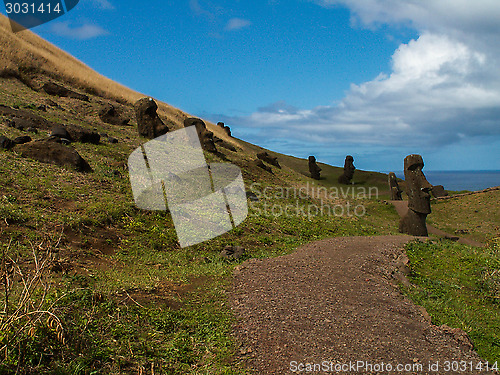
x=377 y=79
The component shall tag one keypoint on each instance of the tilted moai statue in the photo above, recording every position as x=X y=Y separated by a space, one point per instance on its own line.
x=349 y=169
x=419 y=199
x=314 y=169
x=394 y=187
x=206 y=136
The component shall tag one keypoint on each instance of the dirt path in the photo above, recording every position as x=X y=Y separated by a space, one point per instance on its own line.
x=337 y=301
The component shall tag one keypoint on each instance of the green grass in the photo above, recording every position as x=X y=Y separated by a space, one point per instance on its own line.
x=459 y=286
x=129 y=298
x=474 y=216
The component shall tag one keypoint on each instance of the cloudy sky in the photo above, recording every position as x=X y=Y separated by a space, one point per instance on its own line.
x=377 y=79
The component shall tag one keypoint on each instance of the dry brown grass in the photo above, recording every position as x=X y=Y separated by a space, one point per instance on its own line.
x=25 y=51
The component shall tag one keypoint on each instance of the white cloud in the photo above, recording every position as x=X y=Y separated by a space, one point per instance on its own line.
x=237 y=24
x=82 y=32
x=198 y=10
x=444 y=86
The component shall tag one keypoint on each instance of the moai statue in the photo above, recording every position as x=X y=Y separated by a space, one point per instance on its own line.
x=314 y=169
x=349 y=169
x=419 y=199
x=438 y=191
x=264 y=156
x=149 y=124
x=394 y=187
x=206 y=136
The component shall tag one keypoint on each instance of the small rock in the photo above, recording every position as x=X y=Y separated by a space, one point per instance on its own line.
x=6 y=143
x=252 y=196
x=232 y=252
x=112 y=140
x=22 y=140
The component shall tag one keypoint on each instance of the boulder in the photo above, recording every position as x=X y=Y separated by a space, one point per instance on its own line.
x=21 y=124
x=50 y=152
x=80 y=134
x=6 y=143
x=22 y=119
x=22 y=140
x=58 y=90
x=60 y=131
x=149 y=123
x=264 y=156
x=206 y=137
x=233 y=252
x=110 y=115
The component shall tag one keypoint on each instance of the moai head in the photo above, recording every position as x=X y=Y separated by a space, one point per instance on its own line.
x=417 y=186
x=312 y=159
x=349 y=167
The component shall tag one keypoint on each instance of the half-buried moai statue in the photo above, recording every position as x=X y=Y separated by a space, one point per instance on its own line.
x=264 y=156
x=314 y=169
x=349 y=169
x=419 y=199
x=206 y=136
x=394 y=187
x=149 y=124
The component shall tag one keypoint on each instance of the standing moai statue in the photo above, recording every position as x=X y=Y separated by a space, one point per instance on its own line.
x=149 y=123
x=314 y=169
x=419 y=199
x=349 y=169
x=394 y=187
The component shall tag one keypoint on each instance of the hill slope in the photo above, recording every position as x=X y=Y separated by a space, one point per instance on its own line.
x=110 y=288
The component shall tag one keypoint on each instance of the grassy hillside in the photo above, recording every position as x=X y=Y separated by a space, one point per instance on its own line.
x=89 y=283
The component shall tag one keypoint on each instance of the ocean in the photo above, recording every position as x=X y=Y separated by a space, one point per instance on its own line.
x=461 y=180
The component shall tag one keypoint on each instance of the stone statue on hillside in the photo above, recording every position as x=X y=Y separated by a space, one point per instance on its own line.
x=349 y=169
x=149 y=124
x=206 y=136
x=394 y=187
x=226 y=128
x=264 y=156
x=438 y=191
x=314 y=169
x=419 y=203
